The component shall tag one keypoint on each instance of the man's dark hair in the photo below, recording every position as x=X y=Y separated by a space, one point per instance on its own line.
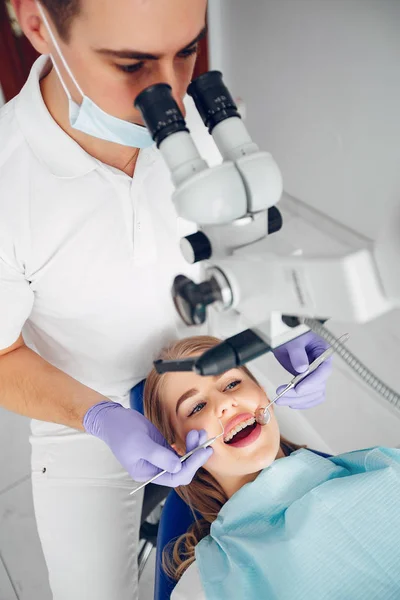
x=62 y=13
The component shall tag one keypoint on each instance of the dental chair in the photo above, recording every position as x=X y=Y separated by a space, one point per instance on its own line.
x=154 y=495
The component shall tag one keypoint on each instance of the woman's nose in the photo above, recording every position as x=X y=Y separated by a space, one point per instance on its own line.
x=226 y=406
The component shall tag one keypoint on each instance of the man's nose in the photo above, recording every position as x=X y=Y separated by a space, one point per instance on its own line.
x=180 y=103
x=168 y=75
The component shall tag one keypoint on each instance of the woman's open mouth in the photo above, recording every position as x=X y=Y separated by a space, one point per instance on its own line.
x=244 y=434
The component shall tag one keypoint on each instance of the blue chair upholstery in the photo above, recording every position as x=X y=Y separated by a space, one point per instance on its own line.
x=175 y=520
x=136 y=396
x=153 y=494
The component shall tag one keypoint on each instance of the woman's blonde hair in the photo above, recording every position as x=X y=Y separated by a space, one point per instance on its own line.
x=204 y=494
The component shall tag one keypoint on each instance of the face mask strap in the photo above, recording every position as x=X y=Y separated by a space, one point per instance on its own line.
x=60 y=54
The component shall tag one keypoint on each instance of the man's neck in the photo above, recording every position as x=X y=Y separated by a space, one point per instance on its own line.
x=121 y=157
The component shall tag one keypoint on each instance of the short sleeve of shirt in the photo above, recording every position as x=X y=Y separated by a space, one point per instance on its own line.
x=16 y=302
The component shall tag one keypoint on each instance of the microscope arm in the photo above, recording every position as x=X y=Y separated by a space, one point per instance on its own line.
x=247 y=273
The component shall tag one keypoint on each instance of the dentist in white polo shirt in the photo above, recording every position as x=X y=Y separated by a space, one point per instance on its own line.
x=88 y=250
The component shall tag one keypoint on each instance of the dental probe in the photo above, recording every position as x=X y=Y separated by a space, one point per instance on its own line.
x=263 y=416
x=205 y=444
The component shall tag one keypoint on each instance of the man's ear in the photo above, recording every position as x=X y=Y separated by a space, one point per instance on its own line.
x=178 y=449
x=32 y=25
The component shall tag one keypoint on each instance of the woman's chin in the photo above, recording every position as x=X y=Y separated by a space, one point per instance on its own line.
x=263 y=457
x=241 y=465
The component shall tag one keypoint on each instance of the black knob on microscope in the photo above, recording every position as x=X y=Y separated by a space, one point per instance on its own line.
x=274 y=220
x=196 y=247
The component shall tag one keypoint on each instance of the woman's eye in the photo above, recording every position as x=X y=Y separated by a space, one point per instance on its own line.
x=131 y=68
x=197 y=408
x=232 y=385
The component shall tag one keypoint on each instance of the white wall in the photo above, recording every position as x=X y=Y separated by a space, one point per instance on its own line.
x=321 y=84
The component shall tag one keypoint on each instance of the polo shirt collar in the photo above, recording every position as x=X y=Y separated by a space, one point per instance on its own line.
x=51 y=145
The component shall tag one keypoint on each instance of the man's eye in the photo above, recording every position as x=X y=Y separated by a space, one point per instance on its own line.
x=197 y=408
x=233 y=384
x=131 y=68
x=188 y=52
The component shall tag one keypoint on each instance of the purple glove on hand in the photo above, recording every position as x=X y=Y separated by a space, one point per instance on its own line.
x=140 y=447
x=295 y=356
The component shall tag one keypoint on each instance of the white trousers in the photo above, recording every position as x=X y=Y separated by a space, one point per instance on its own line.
x=88 y=523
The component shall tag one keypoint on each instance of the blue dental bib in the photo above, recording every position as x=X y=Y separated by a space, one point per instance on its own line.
x=309 y=528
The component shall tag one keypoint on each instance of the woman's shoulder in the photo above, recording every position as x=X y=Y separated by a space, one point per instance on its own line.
x=189 y=585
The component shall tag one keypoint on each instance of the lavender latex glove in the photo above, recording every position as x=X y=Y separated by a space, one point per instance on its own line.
x=139 y=446
x=295 y=356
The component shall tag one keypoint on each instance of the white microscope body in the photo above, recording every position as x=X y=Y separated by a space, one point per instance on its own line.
x=250 y=273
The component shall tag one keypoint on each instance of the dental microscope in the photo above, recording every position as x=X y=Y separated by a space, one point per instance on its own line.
x=278 y=295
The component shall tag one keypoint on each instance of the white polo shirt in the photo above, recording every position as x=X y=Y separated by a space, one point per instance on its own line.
x=87 y=253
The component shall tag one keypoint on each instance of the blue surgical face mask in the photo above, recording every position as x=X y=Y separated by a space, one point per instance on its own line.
x=90 y=118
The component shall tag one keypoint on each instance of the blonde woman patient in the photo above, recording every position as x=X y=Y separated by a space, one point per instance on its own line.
x=275 y=524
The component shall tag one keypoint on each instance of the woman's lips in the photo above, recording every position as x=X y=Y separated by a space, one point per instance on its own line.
x=236 y=420
x=249 y=439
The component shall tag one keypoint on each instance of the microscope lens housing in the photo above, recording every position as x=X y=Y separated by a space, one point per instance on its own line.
x=213 y=99
x=160 y=112
x=191 y=299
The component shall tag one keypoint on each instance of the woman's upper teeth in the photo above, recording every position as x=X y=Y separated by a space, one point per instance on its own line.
x=238 y=428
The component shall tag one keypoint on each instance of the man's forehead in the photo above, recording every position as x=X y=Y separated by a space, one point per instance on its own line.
x=146 y=25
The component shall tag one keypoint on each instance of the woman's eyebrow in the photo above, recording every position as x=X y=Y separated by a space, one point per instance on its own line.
x=194 y=391
x=185 y=396
x=137 y=55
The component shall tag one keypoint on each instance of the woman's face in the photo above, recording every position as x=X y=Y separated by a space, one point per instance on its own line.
x=195 y=402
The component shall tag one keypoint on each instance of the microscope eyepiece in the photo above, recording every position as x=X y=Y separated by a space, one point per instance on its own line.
x=213 y=99
x=160 y=112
